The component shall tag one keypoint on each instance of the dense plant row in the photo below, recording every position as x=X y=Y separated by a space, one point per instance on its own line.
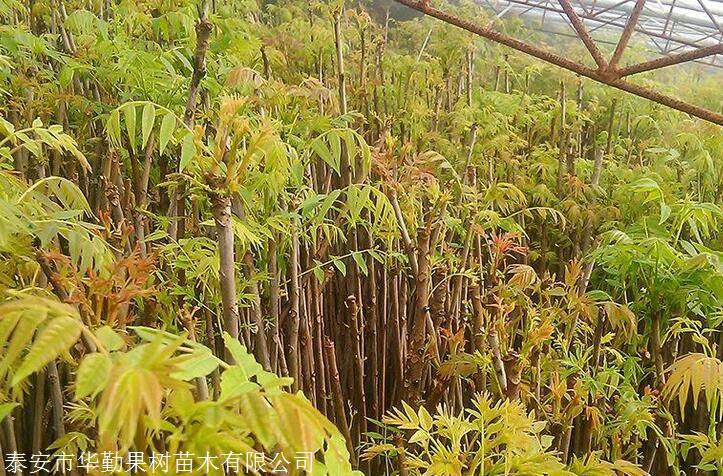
x=311 y=227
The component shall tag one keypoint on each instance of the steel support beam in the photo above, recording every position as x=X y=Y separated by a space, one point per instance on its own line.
x=651 y=29
x=672 y=60
x=711 y=16
x=627 y=33
x=606 y=9
x=606 y=77
x=607 y=22
x=584 y=35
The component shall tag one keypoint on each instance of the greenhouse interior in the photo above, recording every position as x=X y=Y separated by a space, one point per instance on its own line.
x=361 y=237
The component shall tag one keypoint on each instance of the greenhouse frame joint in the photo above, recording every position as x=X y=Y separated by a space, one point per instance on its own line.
x=606 y=72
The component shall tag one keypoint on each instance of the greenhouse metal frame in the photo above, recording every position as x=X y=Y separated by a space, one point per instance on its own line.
x=679 y=30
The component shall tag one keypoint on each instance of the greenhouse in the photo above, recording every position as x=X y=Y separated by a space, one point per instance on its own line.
x=673 y=27
x=369 y=237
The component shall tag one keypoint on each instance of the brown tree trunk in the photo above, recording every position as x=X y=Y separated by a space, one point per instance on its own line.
x=203 y=34
x=415 y=358
x=293 y=350
x=261 y=347
x=221 y=209
x=338 y=398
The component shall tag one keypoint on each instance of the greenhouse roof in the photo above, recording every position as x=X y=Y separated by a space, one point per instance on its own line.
x=679 y=30
x=669 y=26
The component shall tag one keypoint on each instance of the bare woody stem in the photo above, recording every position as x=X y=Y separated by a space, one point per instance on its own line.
x=203 y=34
x=415 y=359
x=221 y=209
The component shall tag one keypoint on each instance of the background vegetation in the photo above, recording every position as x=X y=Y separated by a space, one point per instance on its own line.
x=295 y=226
